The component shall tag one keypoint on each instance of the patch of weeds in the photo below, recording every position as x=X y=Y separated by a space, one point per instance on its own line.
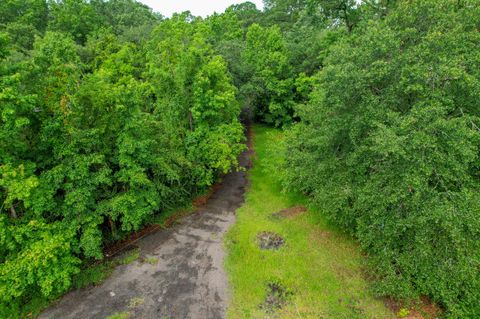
x=130 y=257
x=151 y=260
x=97 y=273
x=270 y=240
x=277 y=296
x=402 y=313
x=35 y=306
x=93 y=275
x=120 y=315
x=136 y=302
x=357 y=311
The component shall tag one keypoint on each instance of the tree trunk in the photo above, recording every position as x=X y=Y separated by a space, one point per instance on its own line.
x=13 y=212
x=113 y=228
x=190 y=120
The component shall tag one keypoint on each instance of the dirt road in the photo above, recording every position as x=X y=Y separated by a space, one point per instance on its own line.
x=188 y=281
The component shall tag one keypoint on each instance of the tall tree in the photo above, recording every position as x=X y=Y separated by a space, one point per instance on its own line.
x=75 y=17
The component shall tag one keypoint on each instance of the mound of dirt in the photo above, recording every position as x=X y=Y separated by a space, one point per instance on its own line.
x=270 y=241
x=290 y=212
x=276 y=297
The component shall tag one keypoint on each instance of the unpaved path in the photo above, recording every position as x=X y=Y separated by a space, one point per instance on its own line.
x=187 y=282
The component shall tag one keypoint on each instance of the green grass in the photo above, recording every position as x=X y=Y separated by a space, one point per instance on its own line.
x=120 y=315
x=130 y=257
x=319 y=265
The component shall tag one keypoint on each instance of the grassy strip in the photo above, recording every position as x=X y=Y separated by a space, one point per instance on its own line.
x=318 y=267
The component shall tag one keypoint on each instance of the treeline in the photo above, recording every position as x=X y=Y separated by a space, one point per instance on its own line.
x=111 y=114
x=388 y=146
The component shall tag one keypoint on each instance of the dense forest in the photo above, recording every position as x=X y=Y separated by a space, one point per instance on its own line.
x=111 y=114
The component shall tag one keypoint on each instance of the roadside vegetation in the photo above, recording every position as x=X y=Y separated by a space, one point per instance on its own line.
x=89 y=276
x=112 y=116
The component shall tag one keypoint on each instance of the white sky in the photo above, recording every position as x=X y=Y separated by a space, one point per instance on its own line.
x=196 y=7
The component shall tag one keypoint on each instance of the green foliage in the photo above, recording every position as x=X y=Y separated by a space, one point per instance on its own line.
x=16 y=185
x=269 y=90
x=126 y=15
x=24 y=12
x=200 y=87
x=111 y=114
x=22 y=20
x=389 y=146
x=36 y=257
x=97 y=135
x=75 y=17
x=403 y=313
x=246 y=12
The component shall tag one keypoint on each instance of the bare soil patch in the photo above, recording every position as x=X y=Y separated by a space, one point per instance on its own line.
x=290 y=212
x=270 y=241
x=424 y=309
x=277 y=297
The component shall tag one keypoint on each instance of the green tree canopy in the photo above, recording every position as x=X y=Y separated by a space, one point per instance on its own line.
x=389 y=146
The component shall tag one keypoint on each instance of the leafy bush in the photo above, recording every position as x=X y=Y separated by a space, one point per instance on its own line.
x=389 y=147
x=35 y=257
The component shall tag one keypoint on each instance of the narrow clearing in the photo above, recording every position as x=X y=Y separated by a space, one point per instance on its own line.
x=188 y=281
x=285 y=260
